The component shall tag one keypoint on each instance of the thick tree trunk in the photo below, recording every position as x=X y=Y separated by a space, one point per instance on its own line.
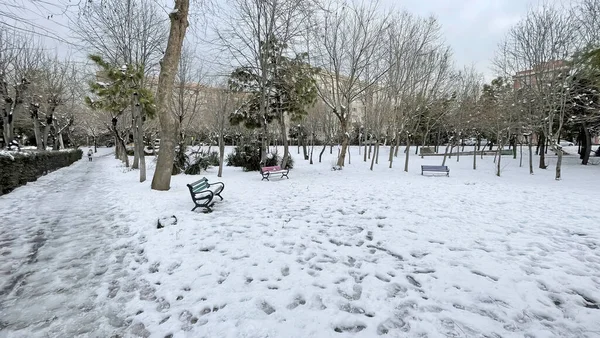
x=474 y=158
x=345 y=140
x=559 y=153
x=397 y=145
x=349 y=154
x=221 y=154
x=370 y=149
x=168 y=69
x=377 y=146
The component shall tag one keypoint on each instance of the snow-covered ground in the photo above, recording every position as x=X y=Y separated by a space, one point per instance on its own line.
x=324 y=254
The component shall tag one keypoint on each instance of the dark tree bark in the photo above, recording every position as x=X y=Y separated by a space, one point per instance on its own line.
x=587 y=145
x=542 y=150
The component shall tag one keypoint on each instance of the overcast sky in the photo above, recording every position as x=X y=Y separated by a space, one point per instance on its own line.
x=473 y=28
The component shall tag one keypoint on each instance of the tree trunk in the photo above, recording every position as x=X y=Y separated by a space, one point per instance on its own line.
x=345 y=141
x=286 y=146
x=587 y=148
x=221 y=154
x=407 y=151
x=365 y=150
x=370 y=148
x=36 y=126
x=322 y=151
x=95 y=143
x=474 y=158
x=136 y=150
x=168 y=69
x=304 y=148
x=521 y=155
x=373 y=158
x=312 y=147
x=559 y=153
x=397 y=145
x=349 y=154
x=47 y=132
x=446 y=153
x=499 y=152
x=530 y=157
x=138 y=128
x=542 y=146
x=391 y=158
x=377 y=152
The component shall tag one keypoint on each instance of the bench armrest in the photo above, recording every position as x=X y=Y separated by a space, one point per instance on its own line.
x=217 y=183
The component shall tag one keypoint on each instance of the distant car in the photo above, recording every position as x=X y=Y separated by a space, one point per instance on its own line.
x=470 y=141
x=564 y=143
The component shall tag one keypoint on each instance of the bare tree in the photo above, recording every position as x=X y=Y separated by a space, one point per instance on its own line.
x=536 y=52
x=348 y=39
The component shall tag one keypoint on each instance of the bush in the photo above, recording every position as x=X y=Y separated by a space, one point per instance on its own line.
x=18 y=168
x=202 y=161
x=248 y=157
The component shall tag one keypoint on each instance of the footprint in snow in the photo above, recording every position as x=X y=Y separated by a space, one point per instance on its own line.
x=299 y=300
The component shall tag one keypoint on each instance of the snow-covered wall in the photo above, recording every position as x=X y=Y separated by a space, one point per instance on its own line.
x=18 y=168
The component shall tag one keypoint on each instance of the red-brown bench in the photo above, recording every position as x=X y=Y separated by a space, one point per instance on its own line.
x=266 y=172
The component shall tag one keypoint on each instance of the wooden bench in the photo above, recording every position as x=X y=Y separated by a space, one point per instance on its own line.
x=266 y=172
x=436 y=169
x=203 y=193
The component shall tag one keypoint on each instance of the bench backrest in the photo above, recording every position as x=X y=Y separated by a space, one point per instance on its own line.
x=273 y=168
x=434 y=167
x=199 y=185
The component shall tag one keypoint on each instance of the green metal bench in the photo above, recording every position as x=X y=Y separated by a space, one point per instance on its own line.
x=203 y=193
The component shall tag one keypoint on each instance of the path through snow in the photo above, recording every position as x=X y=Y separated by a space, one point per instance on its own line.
x=65 y=247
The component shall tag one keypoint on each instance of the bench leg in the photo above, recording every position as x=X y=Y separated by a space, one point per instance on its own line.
x=285 y=175
x=266 y=176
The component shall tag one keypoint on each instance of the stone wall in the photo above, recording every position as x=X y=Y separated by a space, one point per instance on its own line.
x=18 y=168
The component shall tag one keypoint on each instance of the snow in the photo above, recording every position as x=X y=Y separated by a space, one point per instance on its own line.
x=323 y=254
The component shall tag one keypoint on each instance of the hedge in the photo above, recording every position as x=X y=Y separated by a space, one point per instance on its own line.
x=18 y=168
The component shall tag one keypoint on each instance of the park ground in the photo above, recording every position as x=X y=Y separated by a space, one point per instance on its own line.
x=350 y=253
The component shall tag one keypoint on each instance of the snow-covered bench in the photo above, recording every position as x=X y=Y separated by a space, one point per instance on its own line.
x=266 y=172
x=203 y=193
x=436 y=169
